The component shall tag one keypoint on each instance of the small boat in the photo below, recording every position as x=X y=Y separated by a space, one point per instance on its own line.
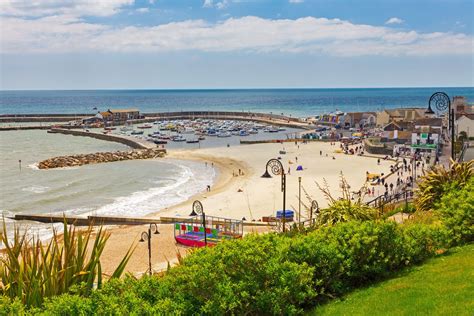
x=224 y=134
x=244 y=133
x=160 y=142
x=201 y=138
x=273 y=130
x=178 y=138
x=145 y=126
x=136 y=133
x=281 y=129
x=110 y=128
x=192 y=140
x=253 y=131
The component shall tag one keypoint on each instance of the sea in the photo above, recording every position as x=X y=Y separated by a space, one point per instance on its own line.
x=141 y=187
x=296 y=102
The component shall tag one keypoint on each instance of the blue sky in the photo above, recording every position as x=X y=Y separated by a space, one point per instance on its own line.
x=120 y=44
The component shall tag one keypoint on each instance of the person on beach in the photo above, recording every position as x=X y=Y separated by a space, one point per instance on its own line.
x=208 y=188
x=289 y=170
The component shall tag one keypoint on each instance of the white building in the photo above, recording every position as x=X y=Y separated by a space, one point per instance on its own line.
x=425 y=139
x=465 y=123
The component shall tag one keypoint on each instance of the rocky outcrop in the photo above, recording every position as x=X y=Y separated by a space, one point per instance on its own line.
x=86 y=159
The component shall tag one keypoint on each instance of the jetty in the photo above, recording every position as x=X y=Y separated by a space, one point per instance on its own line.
x=133 y=142
x=95 y=220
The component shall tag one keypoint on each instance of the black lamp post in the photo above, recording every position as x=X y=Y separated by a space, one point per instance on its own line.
x=276 y=167
x=199 y=210
x=442 y=102
x=147 y=235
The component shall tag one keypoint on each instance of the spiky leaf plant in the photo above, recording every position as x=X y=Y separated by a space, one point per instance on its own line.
x=31 y=269
x=431 y=186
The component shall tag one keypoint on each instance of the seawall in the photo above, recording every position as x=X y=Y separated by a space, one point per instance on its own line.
x=133 y=142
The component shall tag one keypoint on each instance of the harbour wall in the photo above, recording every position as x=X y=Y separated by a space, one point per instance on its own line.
x=126 y=140
x=269 y=118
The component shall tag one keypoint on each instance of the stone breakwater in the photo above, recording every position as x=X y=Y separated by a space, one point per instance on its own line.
x=100 y=157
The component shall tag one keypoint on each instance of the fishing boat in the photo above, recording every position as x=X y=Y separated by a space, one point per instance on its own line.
x=273 y=129
x=192 y=140
x=224 y=134
x=178 y=138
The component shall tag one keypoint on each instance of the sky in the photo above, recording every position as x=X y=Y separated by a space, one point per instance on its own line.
x=178 y=44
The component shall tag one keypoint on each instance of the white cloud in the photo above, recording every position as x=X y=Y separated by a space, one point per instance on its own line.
x=35 y=8
x=67 y=33
x=296 y=1
x=394 y=20
x=142 y=10
x=208 y=4
x=220 y=5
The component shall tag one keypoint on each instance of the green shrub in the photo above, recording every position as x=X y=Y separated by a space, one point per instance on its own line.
x=266 y=274
x=456 y=208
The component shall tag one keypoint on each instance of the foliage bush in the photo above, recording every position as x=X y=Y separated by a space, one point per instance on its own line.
x=456 y=208
x=433 y=184
x=265 y=274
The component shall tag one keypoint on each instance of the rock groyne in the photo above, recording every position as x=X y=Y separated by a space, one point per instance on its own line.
x=100 y=157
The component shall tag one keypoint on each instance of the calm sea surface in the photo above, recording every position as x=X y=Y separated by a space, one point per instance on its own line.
x=297 y=102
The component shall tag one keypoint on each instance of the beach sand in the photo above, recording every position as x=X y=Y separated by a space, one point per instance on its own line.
x=258 y=197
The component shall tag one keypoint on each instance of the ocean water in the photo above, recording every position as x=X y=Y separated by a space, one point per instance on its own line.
x=297 y=102
x=126 y=188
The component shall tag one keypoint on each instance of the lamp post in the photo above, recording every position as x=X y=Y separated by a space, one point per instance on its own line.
x=198 y=209
x=299 y=200
x=276 y=167
x=441 y=102
x=147 y=235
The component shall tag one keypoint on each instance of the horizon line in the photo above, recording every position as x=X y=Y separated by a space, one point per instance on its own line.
x=237 y=88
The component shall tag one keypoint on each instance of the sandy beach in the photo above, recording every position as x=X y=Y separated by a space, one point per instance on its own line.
x=247 y=195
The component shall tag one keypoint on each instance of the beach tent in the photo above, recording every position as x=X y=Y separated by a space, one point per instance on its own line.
x=299 y=168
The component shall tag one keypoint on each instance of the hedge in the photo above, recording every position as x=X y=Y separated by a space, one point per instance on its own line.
x=263 y=274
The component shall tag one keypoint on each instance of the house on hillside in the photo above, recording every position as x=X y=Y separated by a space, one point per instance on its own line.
x=358 y=119
x=401 y=114
x=465 y=123
x=427 y=136
x=399 y=132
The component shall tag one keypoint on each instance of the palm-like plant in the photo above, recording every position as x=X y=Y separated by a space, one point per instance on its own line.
x=32 y=270
x=431 y=186
x=345 y=208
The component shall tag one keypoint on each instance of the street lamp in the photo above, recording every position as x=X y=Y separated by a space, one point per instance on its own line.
x=276 y=167
x=198 y=209
x=441 y=102
x=147 y=235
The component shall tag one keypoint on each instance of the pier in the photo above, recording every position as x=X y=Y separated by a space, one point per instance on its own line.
x=94 y=220
x=133 y=142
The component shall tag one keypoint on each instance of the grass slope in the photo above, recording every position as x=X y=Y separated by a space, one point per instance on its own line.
x=442 y=286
